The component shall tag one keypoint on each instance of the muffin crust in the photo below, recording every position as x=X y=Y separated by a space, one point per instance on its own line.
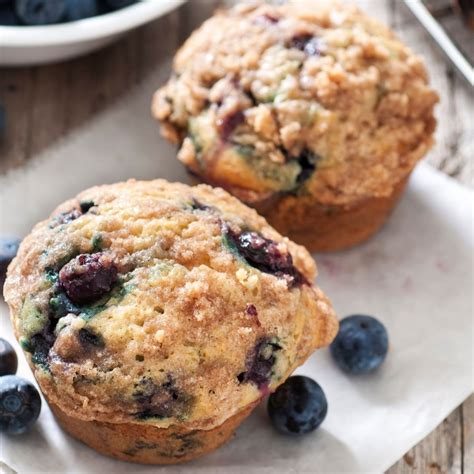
x=308 y=98
x=162 y=304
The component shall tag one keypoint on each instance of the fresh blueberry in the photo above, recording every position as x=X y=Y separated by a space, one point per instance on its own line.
x=79 y=9
x=88 y=277
x=8 y=249
x=8 y=358
x=117 y=4
x=298 y=406
x=40 y=12
x=361 y=344
x=20 y=405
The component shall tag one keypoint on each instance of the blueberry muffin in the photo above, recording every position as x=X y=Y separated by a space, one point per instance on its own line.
x=155 y=316
x=310 y=111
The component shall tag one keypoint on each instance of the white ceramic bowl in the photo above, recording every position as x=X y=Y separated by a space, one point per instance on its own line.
x=28 y=45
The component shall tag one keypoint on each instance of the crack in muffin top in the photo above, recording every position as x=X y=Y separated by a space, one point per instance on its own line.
x=134 y=305
x=309 y=97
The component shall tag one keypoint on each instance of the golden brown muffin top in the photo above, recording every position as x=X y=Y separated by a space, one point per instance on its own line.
x=151 y=302
x=308 y=97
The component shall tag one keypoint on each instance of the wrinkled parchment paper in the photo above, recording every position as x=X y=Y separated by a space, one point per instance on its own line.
x=416 y=275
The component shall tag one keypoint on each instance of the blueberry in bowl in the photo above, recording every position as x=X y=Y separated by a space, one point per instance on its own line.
x=361 y=345
x=116 y=4
x=49 y=12
x=80 y=9
x=44 y=31
x=40 y=12
x=20 y=405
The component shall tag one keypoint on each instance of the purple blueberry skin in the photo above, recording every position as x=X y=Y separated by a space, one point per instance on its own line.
x=263 y=254
x=20 y=405
x=8 y=358
x=258 y=367
x=88 y=277
x=298 y=406
x=361 y=344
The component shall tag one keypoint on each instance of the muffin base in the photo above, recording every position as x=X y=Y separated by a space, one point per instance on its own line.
x=320 y=227
x=325 y=228
x=147 y=444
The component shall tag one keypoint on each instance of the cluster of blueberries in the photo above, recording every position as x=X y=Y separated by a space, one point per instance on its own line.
x=297 y=407
x=20 y=402
x=48 y=12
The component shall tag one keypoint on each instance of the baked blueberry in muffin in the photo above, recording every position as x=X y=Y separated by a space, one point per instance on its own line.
x=310 y=111
x=155 y=316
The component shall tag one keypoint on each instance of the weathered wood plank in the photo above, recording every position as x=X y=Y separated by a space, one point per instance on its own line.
x=455 y=132
x=438 y=453
x=468 y=435
x=16 y=91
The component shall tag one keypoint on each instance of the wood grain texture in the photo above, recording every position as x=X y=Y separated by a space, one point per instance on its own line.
x=43 y=104
x=455 y=132
x=467 y=411
x=439 y=453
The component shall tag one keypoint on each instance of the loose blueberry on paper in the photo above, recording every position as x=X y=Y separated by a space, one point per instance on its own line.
x=298 y=406
x=8 y=249
x=20 y=405
x=361 y=345
x=8 y=358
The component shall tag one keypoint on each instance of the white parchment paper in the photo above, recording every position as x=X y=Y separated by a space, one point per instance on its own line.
x=416 y=275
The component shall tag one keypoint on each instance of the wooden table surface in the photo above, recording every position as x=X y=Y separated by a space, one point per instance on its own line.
x=43 y=104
